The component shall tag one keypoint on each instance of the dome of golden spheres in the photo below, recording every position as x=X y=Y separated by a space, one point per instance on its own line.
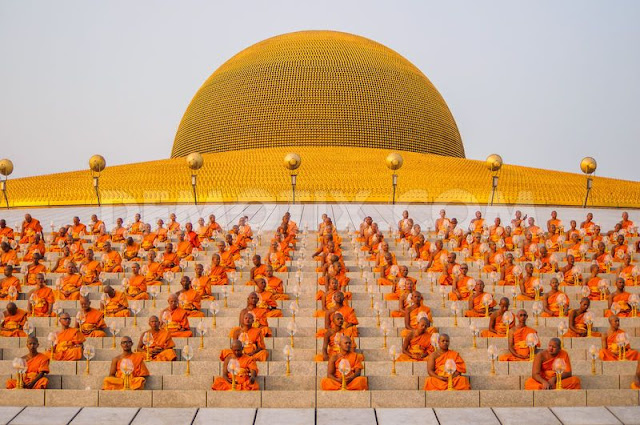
x=318 y=88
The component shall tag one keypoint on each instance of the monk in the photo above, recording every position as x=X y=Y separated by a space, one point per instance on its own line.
x=352 y=379
x=77 y=229
x=244 y=375
x=477 y=307
x=551 y=305
x=115 y=380
x=401 y=285
x=450 y=269
x=416 y=346
x=68 y=344
x=528 y=285
x=414 y=312
x=90 y=270
x=70 y=284
x=160 y=348
x=202 y=283
x=149 y=239
x=100 y=240
x=184 y=249
x=462 y=285
x=137 y=226
x=497 y=328
x=112 y=261
x=225 y=257
x=170 y=260
x=436 y=263
x=252 y=340
x=136 y=287
x=258 y=270
x=577 y=326
x=350 y=326
x=438 y=379
x=629 y=272
x=189 y=299
x=543 y=375
x=388 y=271
x=274 y=285
x=118 y=232
x=13 y=322
x=266 y=300
x=117 y=304
x=90 y=321
x=519 y=351
x=152 y=270
x=611 y=345
x=63 y=262
x=6 y=231
x=218 y=272
x=331 y=342
x=176 y=319
x=35 y=247
x=37 y=368
x=619 y=301
x=33 y=269
x=593 y=283
x=7 y=283
x=326 y=297
x=259 y=314
x=276 y=259
x=41 y=299
x=214 y=227
x=131 y=250
x=569 y=272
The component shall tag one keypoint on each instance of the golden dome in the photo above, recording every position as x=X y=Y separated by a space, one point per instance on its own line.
x=318 y=88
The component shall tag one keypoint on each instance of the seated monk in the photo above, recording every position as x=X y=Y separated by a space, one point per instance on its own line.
x=326 y=297
x=519 y=351
x=404 y=302
x=437 y=259
x=274 y=285
x=497 y=328
x=577 y=326
x=613 y=340
x=593 y=283
x=335 y=269
x=41 y=299
x=35 y=247
x=602 y=258
x=117 y=304
x=252 y=340
x=76 y=248
x=381 y=258
x=214 y=227
x=276 y=259
x=176 y=319
x=529 y=285
x=493 y=260
x=416 y=346
x=90 y=270
x=33 y=269
x=69 y=285
x=184 y=249
x=331 y=342
x=258 y=269
x=350 y=325
x=96 y=225
x=90 y=321
x=244 y=368
x=100 y=240
x=202 y=283
x=438 y=379
x=152 y=270
x=37 y=368
x=266 y=300
x=8 y=282
x=131 y=250
x=449 y=271
x=6 y=231
x=112 y=261
x=570 y=272
x=218 y=272
x=543 y=375
x=462 y=285
x=115 y=380
x=136 y=285
x=13 y=321
x=629 y=272
x=225 y=257
x=170 y=260
x=481 y=303
x=63 y=262
x=388 y=271
x=619 y=301
x=68 y=344
x=414 y=312
x=159 y=346
x=189 y=299
x=118 y=233
x=555 y=301
x=149 y=238
x=259 y=314
x=352 y=379
x=137 y=226
x=401 y=285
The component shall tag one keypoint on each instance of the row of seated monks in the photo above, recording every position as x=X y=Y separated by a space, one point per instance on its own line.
x=498 y=248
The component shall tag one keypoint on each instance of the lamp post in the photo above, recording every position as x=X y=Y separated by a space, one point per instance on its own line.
x=292 y=162
x=588 y=166
x=195 y=161
x=394 y=163
x=6 y=168
x=494 y=164
x=97 y=164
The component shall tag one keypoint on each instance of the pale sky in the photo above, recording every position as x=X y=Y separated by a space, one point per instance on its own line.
x=542 y=83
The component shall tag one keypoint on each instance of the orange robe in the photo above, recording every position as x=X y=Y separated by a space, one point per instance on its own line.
x=202 y=286
x=268 y=303
x=461 y=286
x=334 y=346
x=161 y=339
x=436 y=265
x=90 y=274
x=14 y=324
x=32 y=249
x=519 y=345
x=459 y=382
x=420 y=344
x=243 y=376
x=118 y=301
x=579 y=324
x=190 y=301
x=260 y=271
x=44 y=298
x=401 y=288
x=252 y=341
x=183 y=250
x=93 y=324
x=178 y=326
x=6 y=284
x=611 y=353
x=137 y=289
x=594 y=295
x=32 y=272
x=218 y=276
x=35 y=365
x=113 y=262
x=131 y=252
x=552 y=301
x=623 y=302
x=547 y=372
x=274 y=285
x=153 y=273
x=413 y=318
x=501 y=329
x=350 y=318
x=68 y=346
x=69 y=283
x=138 y=380
x=478 y=307
x=359 y=383
x=118 y=234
